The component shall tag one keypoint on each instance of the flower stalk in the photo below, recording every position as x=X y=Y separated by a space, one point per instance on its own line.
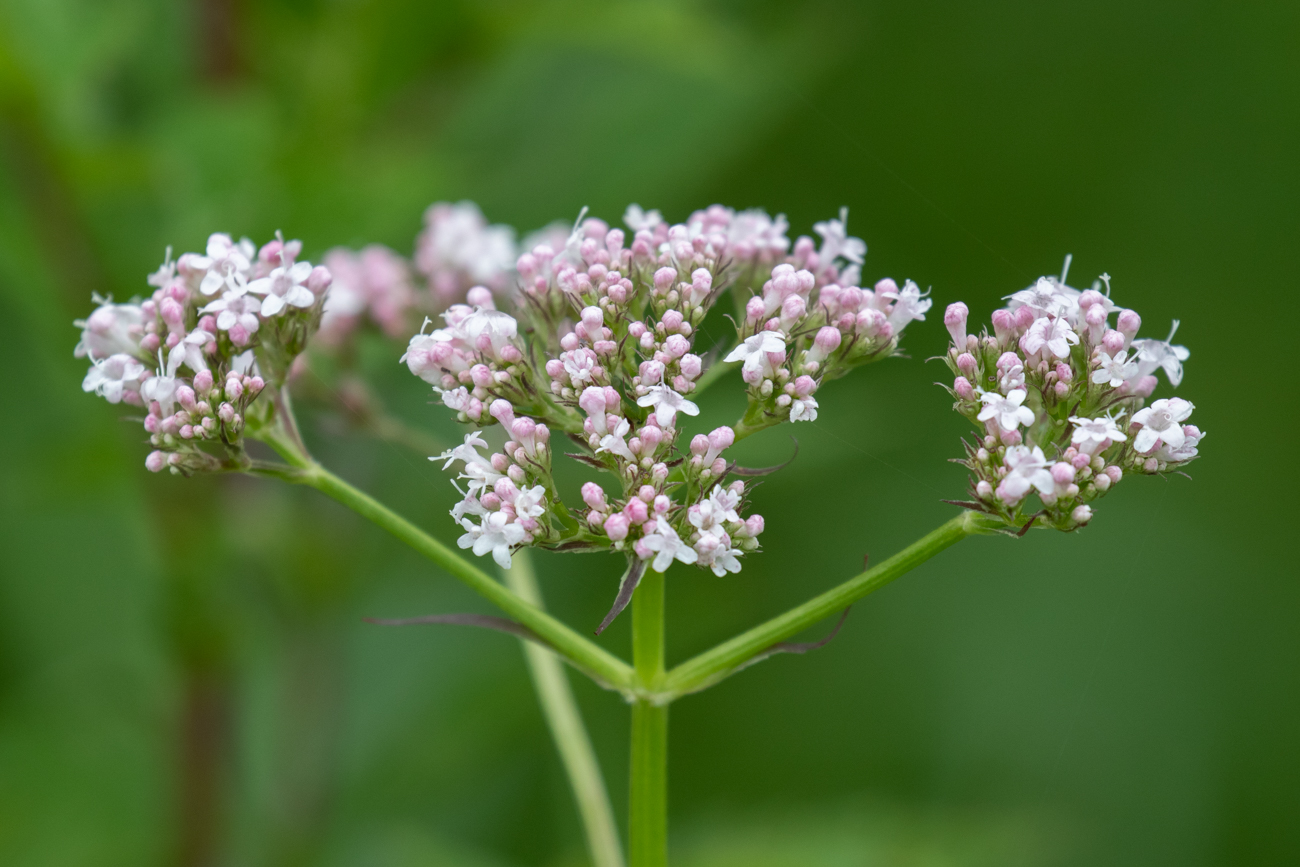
x=648 y=788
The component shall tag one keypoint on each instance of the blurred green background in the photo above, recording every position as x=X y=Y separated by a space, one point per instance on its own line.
x=184 y=675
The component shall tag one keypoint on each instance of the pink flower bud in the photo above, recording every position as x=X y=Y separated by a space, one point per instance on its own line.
x=754 y=525
x=636 y=329
x=1024 y=318
x=962 y=387
x=510 y=354
x=983 y=489
x=754 y=310
x=226 y=413
x=692 y=366
x=1062 y=473
x=1061 y=389
x=1064 y=373
x=319 y=279
x=804 y=386
x=1081 y=514
x=677 y=346
x=1003 y=323
x=966 y=363
x=501 y=410
x=1128 y=323
x=185 y=396
x=699 y=444
x=672 y=320
x=646 y=493
x=481 y=376
x=954 y=319
x=661 y=504
x=651 y=437
x=156 y=462
x=594 y=496
x=664 y=278
x=617 y=527
x=593 y=318
x=1081 y=460
x=1144 y=386
x=254 y=384
x=203 y=381
x=636 y=510
x=828 y=339
x=718 y=467
x=1113 y=342
x=612 y=399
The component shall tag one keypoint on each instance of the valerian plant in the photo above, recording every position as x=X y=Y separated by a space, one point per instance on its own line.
x=587 y=346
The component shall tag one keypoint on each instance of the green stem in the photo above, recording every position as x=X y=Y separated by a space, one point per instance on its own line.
x=585 y=654
x=713 y=665
x=648 y=796
x=561 y=712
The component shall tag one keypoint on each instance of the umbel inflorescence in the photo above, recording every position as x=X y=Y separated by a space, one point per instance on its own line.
x=1060 y=400
x=218 y=329
x=602 y=351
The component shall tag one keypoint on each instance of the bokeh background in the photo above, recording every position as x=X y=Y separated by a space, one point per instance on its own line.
x=185 y=678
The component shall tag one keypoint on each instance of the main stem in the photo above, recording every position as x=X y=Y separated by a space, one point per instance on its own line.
x=648 y=797
x=561 y=712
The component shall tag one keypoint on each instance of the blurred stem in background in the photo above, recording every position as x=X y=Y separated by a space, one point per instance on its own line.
x=565 y=722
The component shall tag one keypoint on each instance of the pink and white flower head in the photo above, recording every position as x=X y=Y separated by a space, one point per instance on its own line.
x=1083 y=412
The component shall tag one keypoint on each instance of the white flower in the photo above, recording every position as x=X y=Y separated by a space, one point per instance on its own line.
x=111 y=329
x=713 y=512
x=911 y=304
x=497 y=534
x=1090 y=433
x=1162 y=420
x=490 y=331
x=227 y=263
x=1047 y=298
x=1012 y=378
x=1055 y=334
x=1152 y=354
x=530 y=502
x=803 y=409
x=458 y=238
x=614 y=443
x=637 y=219
x=754 y=350
x=1192 y=435
x=1008 y=411
x=284 y=287
x=753 y=232
x=456 y=400
x=836 y=241
x=667 y=546
x=715 y=551
x=235 y=308
x=1027 y=468
x=667 y=403
x=478 y=469
x=190 y=351
x=162 y=388
x=112 y=377
x=579 y=365
x=1114 y=370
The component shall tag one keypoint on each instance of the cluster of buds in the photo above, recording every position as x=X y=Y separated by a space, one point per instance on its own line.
x=604 y=351
x=456 y=250
x=218 y=328
x=1059 y=397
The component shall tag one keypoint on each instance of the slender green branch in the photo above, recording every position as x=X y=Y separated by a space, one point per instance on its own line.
x=561 y=711
x=648 y=787
x=598 y=663
x=713 y=665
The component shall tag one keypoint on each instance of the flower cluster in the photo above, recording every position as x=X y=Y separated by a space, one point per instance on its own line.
x=602 y=347
x=218 y=329
x=456 y=251
x=1059 y=397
